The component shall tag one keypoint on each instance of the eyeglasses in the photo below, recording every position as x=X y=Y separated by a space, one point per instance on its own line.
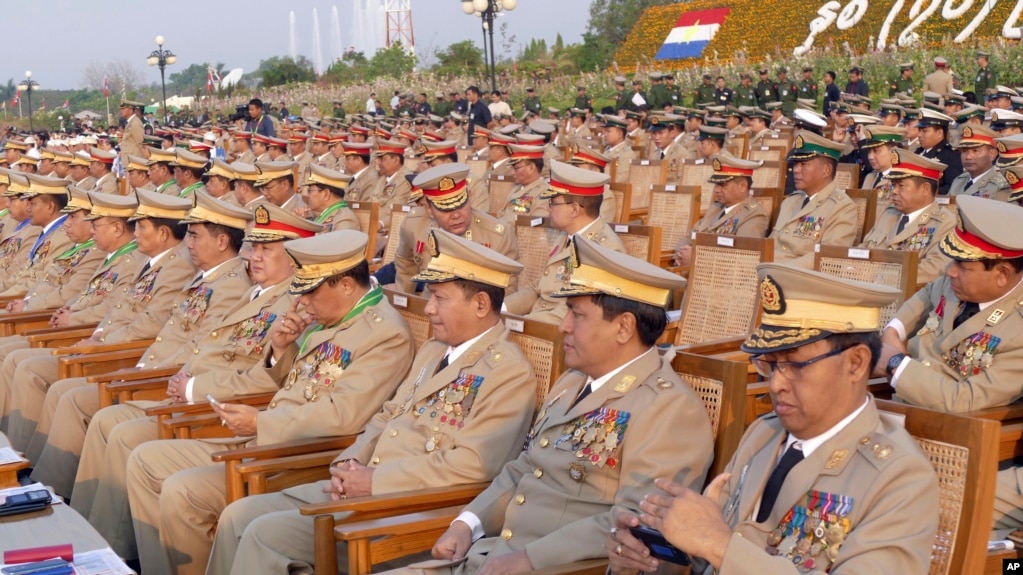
x=791 y=370
x=552 y=204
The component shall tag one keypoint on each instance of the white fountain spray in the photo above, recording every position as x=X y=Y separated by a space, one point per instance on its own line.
x=291 y=22
x=337 y=49
x=375 y=18
x=358 y=26
x=317 y=45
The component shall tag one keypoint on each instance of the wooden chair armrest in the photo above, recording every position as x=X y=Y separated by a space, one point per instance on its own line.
x=27 y=315
x=255 y=399
x=406 y=524
x=714 y=347
x=287 y=463
x=129 y=376
x=117 y=386
x=57 y=333
x=169 y=427
x=401 y=501
x=285 y=448
x=105 y=348
x=588 y=567
x=1009 y=412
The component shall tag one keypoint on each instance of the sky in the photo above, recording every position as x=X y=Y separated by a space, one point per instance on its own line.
x=62 y=36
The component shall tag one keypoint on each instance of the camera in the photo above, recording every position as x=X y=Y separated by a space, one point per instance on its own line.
x=240 y=112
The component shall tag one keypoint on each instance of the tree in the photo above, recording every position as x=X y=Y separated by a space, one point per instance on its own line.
x=394 y=62
x=353 y=67
x=610 y=22
x=123 y=76
x=192 y=78
x=459 y=58
x=277 y=71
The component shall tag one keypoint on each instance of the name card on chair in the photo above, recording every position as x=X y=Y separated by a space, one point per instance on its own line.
x=621 y=229
x=400 y=301
x=943 y=200
x=516 y=325
x=535 y=222
x=670 y=187
x=726 y=241
x=859 y=254
x=644 y=162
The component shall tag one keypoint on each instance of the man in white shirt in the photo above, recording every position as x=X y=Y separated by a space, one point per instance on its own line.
x=371 y=104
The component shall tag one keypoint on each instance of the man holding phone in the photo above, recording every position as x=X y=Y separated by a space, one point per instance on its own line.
x=827 y=483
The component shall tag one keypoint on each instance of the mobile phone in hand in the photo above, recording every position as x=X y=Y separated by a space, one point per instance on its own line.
x=659 y=546
x=213 y=401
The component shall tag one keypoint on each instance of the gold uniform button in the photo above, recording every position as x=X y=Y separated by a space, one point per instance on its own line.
x=171 y=322
x=864 y=440
x=287 y=387
x=394 y=433
x=927 y=363
x=273 y=404
x=214 y=335
x=195 y=351
x=118 y=306
x=544 y=442
x=152 y=357
x=159 y=338
x=506 y=534
x=376 y=461
x=520 y=499
x=538 y=473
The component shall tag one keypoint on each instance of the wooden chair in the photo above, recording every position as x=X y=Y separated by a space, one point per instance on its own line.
x=643 y=242
x=770 y=199
x=782 y=139
x=644 y=175
x=768 y=154
x=477 y=167
x=543 y=344
x=368 y=214
x=739 y=146
x=413 y=309
x=623 y=198
x=720 y=385
x=398 y=214
x=770 y=175
x=947 y=201
x=675 y=210
x=847 y=177
x=696 y=173
x=499 y=187
x=892 y=268
x=86 y=360
x=18 y=323
x=535 y=238
x=866 y=211
x=463 y=153
x=723 y=291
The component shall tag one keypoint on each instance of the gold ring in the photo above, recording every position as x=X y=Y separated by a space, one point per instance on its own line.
x=618 y=550
x=223 y=423
x=614 y=531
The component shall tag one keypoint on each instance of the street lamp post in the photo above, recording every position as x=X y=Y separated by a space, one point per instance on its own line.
x=29 y=85
x=486 y=10
x=162 y=58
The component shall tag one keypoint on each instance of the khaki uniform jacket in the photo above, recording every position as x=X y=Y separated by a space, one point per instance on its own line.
x=892 y=510
x=413 y=256
x=479 y=189
x=7 y=225
x=14 y=250
x=86 y=183
x=328 y=161
x=131 y=139
x=829 y=218
x=64 y=280
x=525 y=201
x=228 y=362
x=247 y=157
x=921 y=235
x=748 y=219
x=108 y=184
x=939 y=81
x=992 y=185
x=622 y=155
x=550 y=152
x=303 y=160
x=342 y=219
x=971 y=367
x=341 y=379
x=758 y=138
x=170 y=187
x=33 y=269
x=558 y=506
x=393 y=193
x=535 y=299
x=675 y=155
x=417 y=442
x=147 y=305
x=109 y=286
x=200 y=306
x=875 y=181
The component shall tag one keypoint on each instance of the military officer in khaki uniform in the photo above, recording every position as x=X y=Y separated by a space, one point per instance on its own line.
x=133 y=133
x=161 y=174
x=325 y=195
x=759 y=132
x=47 y=198
x=448 y=208
x=188 y=171
x=101 y=167
x=320 y=149
x=594 y=161
x=392 y=187
x=297 y=143
x=80 y=170
x=14 y=248
x=410 y=443
x=162 y=267
x=242 y=152
x=136 y=171
x=357 y=165
x=277 y=182
x=980 y=177
x=733 y=212
x=618 y=147
x=575 y=197
x=359 y=343
x=816 y=213
x=524 y=199
x=114 y=236
x=953 y=345
x=940 y=81
x=550 y=507
x=826 y=483
x=499 y=153
x=879 y=142
x=915 y=221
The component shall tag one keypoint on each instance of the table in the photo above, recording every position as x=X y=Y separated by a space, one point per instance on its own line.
x=54 y=526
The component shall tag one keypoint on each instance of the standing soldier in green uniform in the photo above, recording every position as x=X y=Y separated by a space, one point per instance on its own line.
x=808 y=86
x=674 y=91
x=659 y=96
x=637 y=98
x=787 y=92
x=904 y=83
x=767 y=91
x=985 y=77
x=582 y=101
x=704 y=93
x=745 y=95
x=442 y=107
x=339 y=109
x=532 y=103
x=621 y=96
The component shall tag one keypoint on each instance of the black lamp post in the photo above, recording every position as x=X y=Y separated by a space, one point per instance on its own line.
x=486 y=10
x=28 y=85
x=162 y=58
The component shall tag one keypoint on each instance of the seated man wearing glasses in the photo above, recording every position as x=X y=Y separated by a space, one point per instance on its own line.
x=827 y=483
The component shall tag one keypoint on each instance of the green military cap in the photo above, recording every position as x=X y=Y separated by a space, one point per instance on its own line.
x=715 y=121
x=856 y=68
x=630 y=115
x=637 y=82
x=801 y=306
x=906 y=66
x=453 y=257
x=444 y=186
x=613 y=121
x=658 y=123
x=157 y=205
x=274 y=224
x=1010 y=149
x=763 y=70
x=881 y=135
x=46 y=185
x=1001 y=119
x=977 y=136
x=77 y=199
x=906 y=164
x=598 y=270
x=326 y=177
x=270 y=171
x=620 y=80
x=981 y=54
x=773 y=106
x=968 y=112
x=324 y=256
x=809 y=145
x=577 y=112
x=889 y=109
x=673 y=119
x=986 y=229
x=715 y=109
x=655 y=75
x=760 y=113
x=111 y=206
x=680 y=110
x=696 y=113
x=808 y=68
x=728 y=167
x=712 y=133
x=579 y=88
x=707 y=77
x=732 y=111
x=567 y=179
x=929 y=117
x=669 y=76
x=782 y=70
x=210 y=210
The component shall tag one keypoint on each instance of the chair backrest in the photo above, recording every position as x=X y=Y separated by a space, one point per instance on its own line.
x=477 y=167
x=964 y=453
x=398 y=214
x=623 y=198
x=412 y=164
x=463 y=153
x=696 y=173
x=739 y=146
x=770 y=199
x=783 y=139
x=544 y=347
x=674 y=209
x=368 y=214
x=413 y=309
x=643 y=242
x=768 y=154
x=498 y=189
x=721 y=384
x=892 y=268
x=723 y=290
x=770 y=175
x=643 y=175
x=847 y=177
x=122 y=186
x=866 y=211
x=536 y=239
x=947 y=201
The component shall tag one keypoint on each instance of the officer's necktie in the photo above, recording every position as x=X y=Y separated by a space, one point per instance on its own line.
x=966 y=311
x=968 y=184
x=587 y=389
x=662 y=154
x=792 y=456
x=806 y=200
x=440 y=366
x=902 y=224
x=145 y=269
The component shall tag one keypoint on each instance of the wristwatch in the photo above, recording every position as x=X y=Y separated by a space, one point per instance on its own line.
x=894 y=362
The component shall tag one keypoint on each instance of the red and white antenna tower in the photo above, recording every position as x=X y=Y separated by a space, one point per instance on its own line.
x=399 y=23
